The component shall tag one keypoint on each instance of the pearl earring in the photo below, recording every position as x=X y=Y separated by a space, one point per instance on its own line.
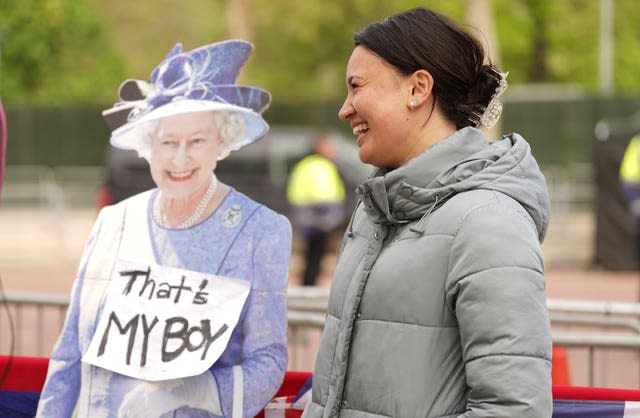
x=413 y=103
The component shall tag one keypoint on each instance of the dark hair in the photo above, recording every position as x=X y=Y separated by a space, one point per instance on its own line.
x=423 y=39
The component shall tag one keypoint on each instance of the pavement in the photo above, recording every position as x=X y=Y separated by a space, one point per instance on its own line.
x=40 y=250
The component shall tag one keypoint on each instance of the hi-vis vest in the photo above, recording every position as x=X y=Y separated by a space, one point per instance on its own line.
x=630 y=166
x=315 y=180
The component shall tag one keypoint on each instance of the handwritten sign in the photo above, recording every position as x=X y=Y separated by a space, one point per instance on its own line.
x=162 y=323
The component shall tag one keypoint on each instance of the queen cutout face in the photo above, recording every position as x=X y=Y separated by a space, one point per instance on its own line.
x=184 y=153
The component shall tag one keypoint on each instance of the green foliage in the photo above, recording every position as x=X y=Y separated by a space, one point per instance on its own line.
x=144 y=31
x=55 y=51
x=627 y=52
x=573 y=27
x=570 y=31
x=78 y=51
x=302 y=47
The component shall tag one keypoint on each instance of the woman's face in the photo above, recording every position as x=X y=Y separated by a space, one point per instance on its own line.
x=184 y=152
x=376 y=106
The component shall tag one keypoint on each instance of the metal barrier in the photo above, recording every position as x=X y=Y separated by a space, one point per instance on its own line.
x=602 y=315
x=618 y=323
x=26 y=311
x=571 y=187
x=51 y=187
x=35 y=320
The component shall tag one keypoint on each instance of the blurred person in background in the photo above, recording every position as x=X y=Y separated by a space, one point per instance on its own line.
x=316 y=194
x=217 y=240
x=437 y=305
x=125 y=174
x=630 y=181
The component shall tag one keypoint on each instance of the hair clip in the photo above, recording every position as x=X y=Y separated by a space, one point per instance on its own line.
x=491 y=113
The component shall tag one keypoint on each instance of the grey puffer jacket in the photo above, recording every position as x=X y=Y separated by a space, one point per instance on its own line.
x=437 y=306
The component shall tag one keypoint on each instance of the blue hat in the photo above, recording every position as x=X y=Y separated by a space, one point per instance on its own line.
x=199 y=80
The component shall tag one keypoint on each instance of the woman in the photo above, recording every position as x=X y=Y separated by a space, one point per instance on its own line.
x=437 y=304
x=179 y=306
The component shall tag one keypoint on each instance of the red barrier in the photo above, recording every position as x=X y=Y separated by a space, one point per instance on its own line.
x=594 y=393
x=23 y=374
x=27 y=374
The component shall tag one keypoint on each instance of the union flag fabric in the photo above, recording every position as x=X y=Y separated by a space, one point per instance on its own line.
x=568 y=402
x=23 y=377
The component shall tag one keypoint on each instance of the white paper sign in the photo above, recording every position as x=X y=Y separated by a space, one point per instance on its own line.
x=161 y=323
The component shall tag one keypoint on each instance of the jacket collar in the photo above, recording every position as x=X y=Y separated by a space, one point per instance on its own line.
x=406 y=193
x=462 y=161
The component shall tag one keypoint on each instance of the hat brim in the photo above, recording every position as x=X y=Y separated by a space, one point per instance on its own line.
x=132 y=134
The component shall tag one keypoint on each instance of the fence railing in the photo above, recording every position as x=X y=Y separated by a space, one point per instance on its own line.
x=617 y=324
x=51 y=187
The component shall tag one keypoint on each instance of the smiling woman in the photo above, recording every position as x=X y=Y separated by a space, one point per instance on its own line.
x=437 y=306
x=203 y=332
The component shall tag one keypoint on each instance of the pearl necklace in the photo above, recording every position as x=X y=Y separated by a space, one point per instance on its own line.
x=161 y=219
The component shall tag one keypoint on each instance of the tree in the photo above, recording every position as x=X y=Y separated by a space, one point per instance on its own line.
x=64 y=51
x=302 y=48
x=557 y=41
x=627 y=46
x=144 y=31
x=55 y=51
x=479 y=14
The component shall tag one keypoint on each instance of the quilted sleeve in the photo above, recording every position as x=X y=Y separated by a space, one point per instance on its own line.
x=496 y=290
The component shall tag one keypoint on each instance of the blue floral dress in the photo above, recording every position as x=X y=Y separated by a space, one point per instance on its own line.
x=241 y=239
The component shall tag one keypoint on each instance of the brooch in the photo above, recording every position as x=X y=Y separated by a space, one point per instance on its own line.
x=231 y=217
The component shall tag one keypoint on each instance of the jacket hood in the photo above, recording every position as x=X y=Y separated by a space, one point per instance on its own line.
x=462 y=161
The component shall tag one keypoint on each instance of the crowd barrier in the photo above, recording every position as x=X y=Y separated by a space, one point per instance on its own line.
x=611 y=325
x=22 y=378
